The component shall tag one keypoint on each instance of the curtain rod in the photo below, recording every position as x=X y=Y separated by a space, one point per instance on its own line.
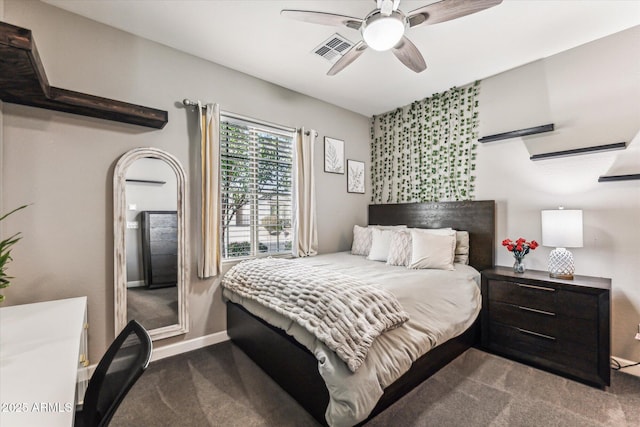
x=189 y=103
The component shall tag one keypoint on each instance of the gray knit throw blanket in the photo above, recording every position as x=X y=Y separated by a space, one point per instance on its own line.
x=344 y=314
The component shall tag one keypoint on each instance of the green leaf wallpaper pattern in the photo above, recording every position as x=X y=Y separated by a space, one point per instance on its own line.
x=426 y=151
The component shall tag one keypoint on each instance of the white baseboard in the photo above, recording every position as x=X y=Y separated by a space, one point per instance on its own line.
x=632 y=370
x=189 y=345
x=170 y=350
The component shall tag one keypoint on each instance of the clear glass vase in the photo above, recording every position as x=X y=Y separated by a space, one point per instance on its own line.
x=518 y=266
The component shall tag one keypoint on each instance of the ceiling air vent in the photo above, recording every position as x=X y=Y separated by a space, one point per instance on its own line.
x=333 y=48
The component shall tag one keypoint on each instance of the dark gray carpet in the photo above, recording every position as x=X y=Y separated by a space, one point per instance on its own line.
x=220 y=386
x=153 y=308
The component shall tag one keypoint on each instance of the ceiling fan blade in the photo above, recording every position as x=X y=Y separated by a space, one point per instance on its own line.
x=351 y=55
x=446 y=10
x=409 y=55
x=323 y=18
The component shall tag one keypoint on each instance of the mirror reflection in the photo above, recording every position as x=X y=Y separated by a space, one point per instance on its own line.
x=151 y=243
x=150 y=247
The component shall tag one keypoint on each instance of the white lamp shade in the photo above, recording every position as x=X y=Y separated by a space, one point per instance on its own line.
x=383 y=32
x=562 y=228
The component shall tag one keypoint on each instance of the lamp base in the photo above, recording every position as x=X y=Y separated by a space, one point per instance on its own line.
x=561 y=276
x=561 y=264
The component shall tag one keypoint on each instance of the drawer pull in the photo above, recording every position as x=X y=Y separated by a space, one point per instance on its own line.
x=539 y=288
x=536 y=334
x=547 y=313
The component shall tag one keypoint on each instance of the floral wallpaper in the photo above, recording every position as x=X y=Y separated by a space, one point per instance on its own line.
x=426 y=151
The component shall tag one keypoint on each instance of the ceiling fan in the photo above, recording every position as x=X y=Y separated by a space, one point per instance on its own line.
x=384 y=27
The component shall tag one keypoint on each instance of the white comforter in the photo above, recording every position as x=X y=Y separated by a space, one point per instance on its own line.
x=441 y=305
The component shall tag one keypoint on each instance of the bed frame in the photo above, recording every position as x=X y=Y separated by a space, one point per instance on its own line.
x=295 y=369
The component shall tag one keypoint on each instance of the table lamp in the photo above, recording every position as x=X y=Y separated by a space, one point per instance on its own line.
x=561 y=228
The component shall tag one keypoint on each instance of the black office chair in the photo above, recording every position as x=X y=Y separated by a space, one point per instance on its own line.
x=121 y=366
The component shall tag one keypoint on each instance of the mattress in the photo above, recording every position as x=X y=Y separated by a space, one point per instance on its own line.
x=441 y=305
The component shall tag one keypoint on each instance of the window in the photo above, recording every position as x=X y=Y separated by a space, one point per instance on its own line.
x=256 y=163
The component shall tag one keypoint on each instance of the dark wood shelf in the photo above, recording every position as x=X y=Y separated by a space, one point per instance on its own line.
x=146 y=181
x=23 y=81
x=578 y=151
x=516 y=133
x=610 y=178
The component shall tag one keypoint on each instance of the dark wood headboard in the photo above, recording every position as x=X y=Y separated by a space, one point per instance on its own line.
x=476 y=217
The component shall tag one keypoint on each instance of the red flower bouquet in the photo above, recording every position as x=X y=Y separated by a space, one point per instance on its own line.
x=519 y=248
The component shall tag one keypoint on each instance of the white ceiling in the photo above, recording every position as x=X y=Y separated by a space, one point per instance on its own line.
x=250 y=36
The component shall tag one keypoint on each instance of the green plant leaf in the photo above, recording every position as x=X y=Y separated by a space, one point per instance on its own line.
x=15 y=210
x=5 y=253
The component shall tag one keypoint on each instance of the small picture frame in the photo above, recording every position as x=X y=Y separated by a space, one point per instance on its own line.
x=355 y=176
x=333 y=155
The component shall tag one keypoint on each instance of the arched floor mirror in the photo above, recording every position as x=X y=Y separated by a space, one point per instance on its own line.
x=150 y=242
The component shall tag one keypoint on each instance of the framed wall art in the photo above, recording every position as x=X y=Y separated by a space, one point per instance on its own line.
x=355 y=176
x=333 y=155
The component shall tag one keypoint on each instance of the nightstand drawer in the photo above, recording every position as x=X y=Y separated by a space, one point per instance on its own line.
x=545 y=298
x=581 y=306
x=545 y=322
x=541 y=347
x=533 y=296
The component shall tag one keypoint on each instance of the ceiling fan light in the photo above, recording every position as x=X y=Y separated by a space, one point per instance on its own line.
x=383 y=32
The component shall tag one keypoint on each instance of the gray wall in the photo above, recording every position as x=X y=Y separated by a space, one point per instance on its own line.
x=591 y=93
x=63 y=163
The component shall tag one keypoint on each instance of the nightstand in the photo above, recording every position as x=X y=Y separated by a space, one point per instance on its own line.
x=562 y=326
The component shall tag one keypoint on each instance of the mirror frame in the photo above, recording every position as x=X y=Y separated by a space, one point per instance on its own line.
x=119 y=229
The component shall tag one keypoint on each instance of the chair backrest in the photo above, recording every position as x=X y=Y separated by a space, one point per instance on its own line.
x=121 y=366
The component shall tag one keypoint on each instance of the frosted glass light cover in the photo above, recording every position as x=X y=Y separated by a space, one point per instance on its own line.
x=383 y=33
x=562 y=228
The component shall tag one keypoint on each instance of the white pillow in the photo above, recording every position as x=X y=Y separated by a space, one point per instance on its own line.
x=441 y=231
x=400 y=248
x=462 y=247
x=361 y=240
x=361 y=244
x=380 y=242
x=389 y=227
x=432 y=250
x=462 y=242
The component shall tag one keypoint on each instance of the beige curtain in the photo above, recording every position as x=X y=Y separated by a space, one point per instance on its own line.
x=209 y=251
x=306 y=223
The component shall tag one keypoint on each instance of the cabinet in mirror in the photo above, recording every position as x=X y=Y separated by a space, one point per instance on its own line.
x=150 y=242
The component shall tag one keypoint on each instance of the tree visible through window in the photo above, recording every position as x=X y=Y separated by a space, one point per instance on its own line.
x=256 y=163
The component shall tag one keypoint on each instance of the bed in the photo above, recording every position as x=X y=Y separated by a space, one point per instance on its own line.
x=296 y=369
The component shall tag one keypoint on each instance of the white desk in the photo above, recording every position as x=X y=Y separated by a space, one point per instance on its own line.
x=39 y=348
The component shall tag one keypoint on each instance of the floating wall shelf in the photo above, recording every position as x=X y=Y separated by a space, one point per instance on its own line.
x=146 y=181
x=609 y=178
x=577 y=151
x=23 y=81
x=517 y=133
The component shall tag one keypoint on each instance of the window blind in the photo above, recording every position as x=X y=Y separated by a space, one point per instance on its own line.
x=256 y=163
